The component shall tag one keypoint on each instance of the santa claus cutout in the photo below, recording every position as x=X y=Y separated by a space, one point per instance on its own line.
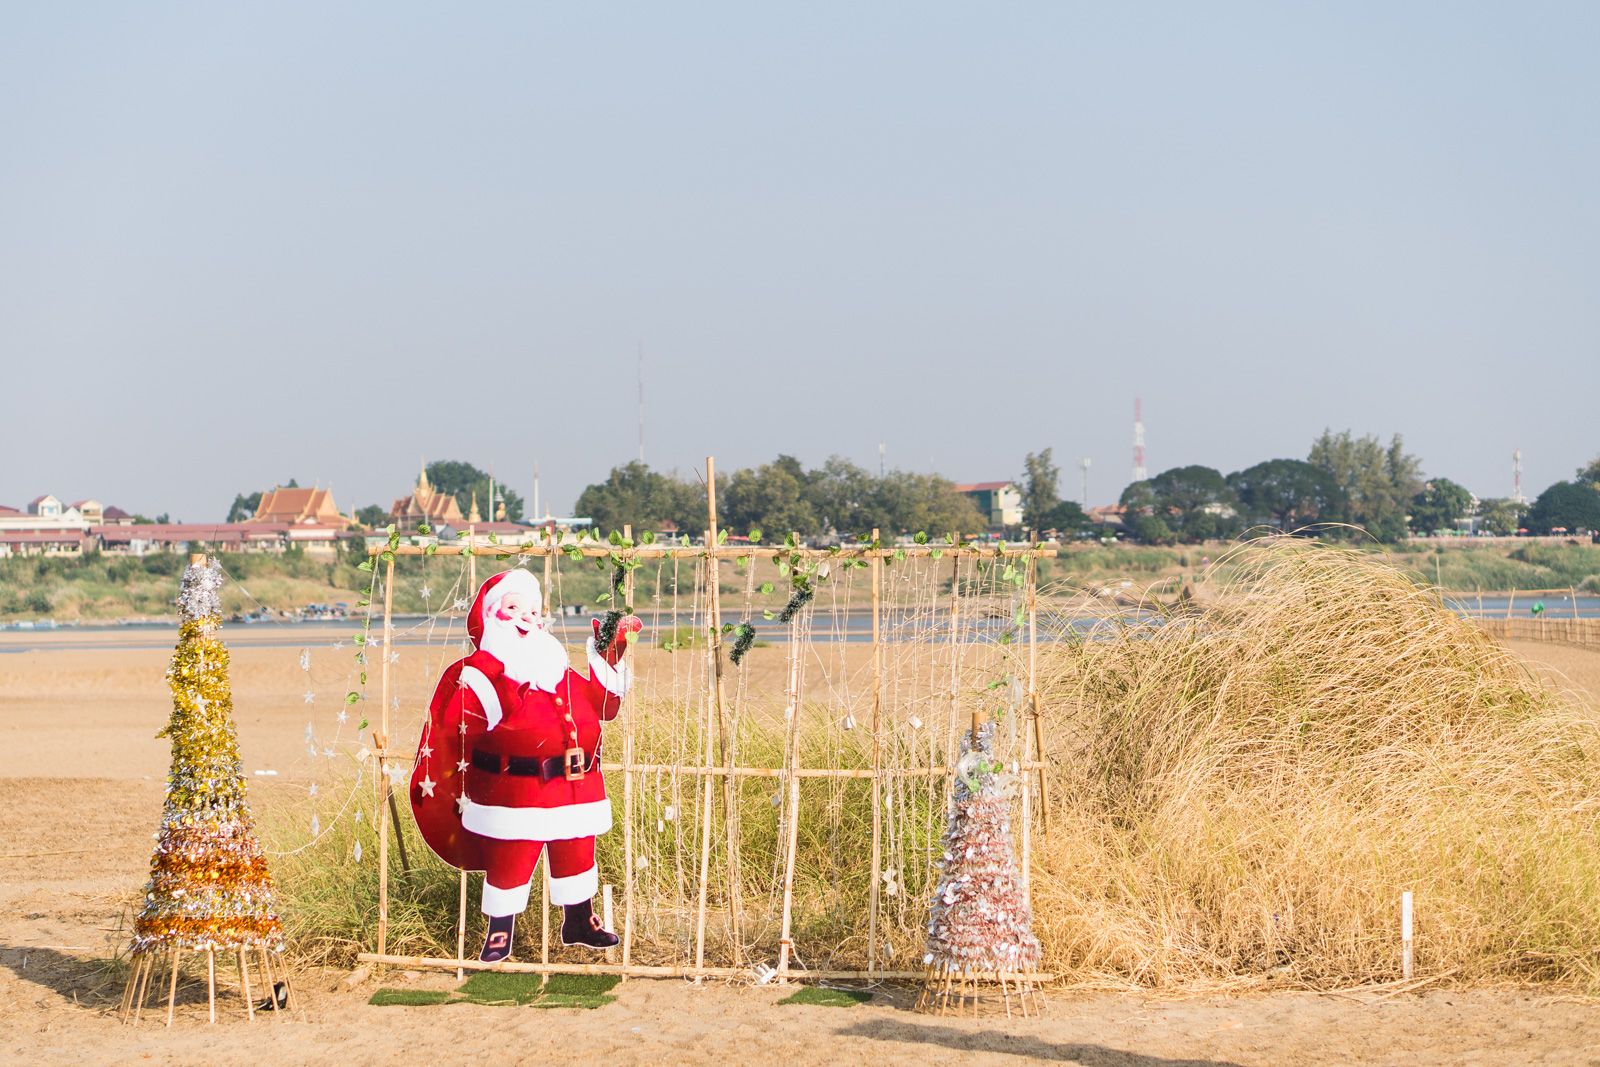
x=508 y=766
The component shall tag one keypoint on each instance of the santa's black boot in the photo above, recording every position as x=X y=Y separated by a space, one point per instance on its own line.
x=497 y=946
x=581 y=926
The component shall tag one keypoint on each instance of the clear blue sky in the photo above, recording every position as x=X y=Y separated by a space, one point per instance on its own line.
x=244 y=242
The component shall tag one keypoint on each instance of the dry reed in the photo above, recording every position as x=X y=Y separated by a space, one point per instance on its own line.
x=1241 y=793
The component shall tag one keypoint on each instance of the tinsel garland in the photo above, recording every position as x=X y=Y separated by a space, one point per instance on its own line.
x=745 y=636
x=979 y=919
x=798 y=599
x=608 y=631
x=209 y=886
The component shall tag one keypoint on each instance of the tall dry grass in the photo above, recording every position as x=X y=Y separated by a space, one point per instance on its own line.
x=1244 y=792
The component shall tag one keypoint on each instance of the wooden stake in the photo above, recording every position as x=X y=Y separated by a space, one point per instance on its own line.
x=877 y=757
x=791 y=844
x=211 y=983
x=605 y=918
x=1407 y=955
x=172 y=989
x=272 y=984
x=244 y=984
x=383 y=764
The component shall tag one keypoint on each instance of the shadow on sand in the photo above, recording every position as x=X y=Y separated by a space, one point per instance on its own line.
x=1023 y=1045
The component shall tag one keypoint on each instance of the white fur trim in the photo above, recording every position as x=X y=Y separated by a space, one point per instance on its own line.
x=575 y=888
x=538 y=824
x=615 y=679
x=516 y=580
x=483 y=689
x=500 y=902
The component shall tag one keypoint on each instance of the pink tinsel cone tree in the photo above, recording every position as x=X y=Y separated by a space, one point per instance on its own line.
x=979 y=920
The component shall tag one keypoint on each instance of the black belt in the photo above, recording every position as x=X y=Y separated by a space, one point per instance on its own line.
x=526 y=766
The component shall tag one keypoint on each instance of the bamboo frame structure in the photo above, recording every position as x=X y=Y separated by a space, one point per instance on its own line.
x=717 y=755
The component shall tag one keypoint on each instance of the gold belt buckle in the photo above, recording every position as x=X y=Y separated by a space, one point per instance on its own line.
x=574 y=761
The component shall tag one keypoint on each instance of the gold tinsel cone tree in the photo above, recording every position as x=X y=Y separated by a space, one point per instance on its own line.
x=209 y=886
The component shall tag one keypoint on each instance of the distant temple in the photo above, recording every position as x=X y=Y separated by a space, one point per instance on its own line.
x=426 y=504
x=300 y=506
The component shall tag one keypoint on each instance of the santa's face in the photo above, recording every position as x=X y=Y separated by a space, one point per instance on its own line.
x=514 y=632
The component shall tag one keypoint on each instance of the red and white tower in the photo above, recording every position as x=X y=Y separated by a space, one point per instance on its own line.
x=1139 y=472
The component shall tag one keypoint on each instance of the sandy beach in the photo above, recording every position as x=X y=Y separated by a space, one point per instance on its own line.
x=83 y=790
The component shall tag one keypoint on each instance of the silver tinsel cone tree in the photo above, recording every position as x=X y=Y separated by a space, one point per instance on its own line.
x=209 y=886
x=979 y=920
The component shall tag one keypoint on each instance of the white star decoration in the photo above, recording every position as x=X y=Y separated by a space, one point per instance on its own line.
x=426 y=751
x=311 y=697
x=461 y=765
x=461 y=604
x=461 y=804
x=426 y=592
x=342 y=717
x=394 y=657
x=426 y=785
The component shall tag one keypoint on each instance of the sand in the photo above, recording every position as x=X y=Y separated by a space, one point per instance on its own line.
x=82 y=789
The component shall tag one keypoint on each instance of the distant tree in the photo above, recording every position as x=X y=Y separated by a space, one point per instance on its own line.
x=844 y=497
x=1439 y=505
x=1151 y=530
x=244 y=506
x=1040 y=481
x=1066 y=517
x=773 y=497
x=1196 y=502
x=1590 y=474
x=906 y=503
x=1570 y=506
x=1376 y=484
x=1286 y=493
x=463 y=480
x=647 y=499
x=373 y=516
x=1501 y=516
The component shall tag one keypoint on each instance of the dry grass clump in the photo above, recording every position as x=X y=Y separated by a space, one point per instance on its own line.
x=1246 y=791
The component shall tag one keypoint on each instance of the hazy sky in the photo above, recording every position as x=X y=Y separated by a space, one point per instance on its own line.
x=240 y=243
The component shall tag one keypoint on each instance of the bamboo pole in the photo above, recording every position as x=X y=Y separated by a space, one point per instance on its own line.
x=172 y=989
x=627 y=789
x=877 y=757
x=244 y=984
x=639 y=970
x=383 y=761
x=211 y=983
x=807 y=772
x=796 y=688
x=545 y=591
x=1033 y=690
x=730 y=816
x=705 y=821
x=461 y=894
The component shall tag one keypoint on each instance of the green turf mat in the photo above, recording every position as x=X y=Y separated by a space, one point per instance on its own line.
x=583 y=985
x=833 y=998
x=409 y=998
x=499 y=987
x=566 y=1000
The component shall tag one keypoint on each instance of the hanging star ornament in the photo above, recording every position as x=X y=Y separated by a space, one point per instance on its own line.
x=461 y=804
x=342 y=717
x=461 y=765
x=311 y=697
x=426 y=785
x=426 y=751
x=425 y=592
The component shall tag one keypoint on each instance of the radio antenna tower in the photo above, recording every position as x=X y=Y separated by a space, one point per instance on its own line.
x=641 y=402
x=1516 y=477
x=1139 y=472
x=1085 y=464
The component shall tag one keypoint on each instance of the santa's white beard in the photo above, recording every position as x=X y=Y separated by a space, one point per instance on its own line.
x=536 y=658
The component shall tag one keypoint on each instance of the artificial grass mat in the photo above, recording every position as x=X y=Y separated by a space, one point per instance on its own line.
x=831 y=998
x=501 y=988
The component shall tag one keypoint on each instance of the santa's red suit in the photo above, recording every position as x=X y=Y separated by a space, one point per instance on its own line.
x=508 y=763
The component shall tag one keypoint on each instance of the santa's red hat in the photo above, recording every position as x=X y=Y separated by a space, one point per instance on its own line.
x=490 y=592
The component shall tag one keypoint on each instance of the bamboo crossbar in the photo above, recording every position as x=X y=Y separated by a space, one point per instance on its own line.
x=641 y=970
x=594 y=551
x=802 y=772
